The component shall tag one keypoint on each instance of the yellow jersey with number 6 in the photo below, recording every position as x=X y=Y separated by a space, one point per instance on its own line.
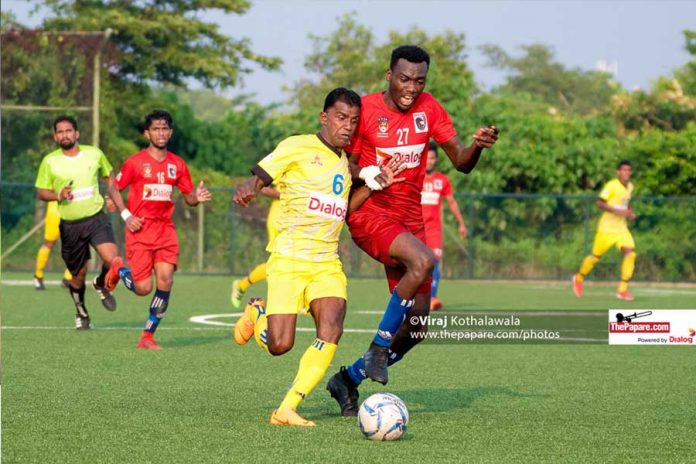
x=314 y=182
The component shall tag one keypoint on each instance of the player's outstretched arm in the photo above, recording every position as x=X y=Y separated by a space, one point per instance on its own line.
x=200 y=195
x=247 y=191
x=464 y=158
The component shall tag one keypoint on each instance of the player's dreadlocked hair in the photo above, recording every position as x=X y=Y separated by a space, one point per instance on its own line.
x=410 y=53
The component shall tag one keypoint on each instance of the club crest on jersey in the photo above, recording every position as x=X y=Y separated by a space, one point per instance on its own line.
x=420 y=122
x=382 y=126
x=328 y=206
x=147 y=170
x=171 y=171
x=317 y=161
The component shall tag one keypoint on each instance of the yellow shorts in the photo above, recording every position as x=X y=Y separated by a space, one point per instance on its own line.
x=294 y=284
x=51 y=231
x=605 y=240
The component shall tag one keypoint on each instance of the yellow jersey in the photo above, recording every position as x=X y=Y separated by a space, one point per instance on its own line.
x=314 y=182
x=616 y=195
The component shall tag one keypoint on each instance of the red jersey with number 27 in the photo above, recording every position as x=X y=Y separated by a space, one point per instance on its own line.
x=152 y=182
x=384 y=133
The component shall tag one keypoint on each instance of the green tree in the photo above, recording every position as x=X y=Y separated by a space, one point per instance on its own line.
x=687 y=75
x=537 y=73
x=165 y=42
x=350 y=57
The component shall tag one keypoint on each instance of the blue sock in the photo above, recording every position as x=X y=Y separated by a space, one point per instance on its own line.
x=436 y=280
x=392 y=319
x=356 y=371
x=158 y=306
x=127 y=278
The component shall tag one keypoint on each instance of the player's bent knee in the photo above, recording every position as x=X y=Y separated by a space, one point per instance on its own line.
x=424 y=266
x=143 y=287
x=165 y=282
x=331 y=335
x=279 y=347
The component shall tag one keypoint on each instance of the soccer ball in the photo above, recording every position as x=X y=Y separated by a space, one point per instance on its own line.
x=383 y=416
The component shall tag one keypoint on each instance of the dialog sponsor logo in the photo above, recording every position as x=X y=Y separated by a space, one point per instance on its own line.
x=81 y=194
x=409 y=155
x=157 y=192
x=328 y=206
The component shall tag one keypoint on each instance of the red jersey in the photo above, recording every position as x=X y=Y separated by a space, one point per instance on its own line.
x=435 y=186
x=151 y=184
x=384 y=133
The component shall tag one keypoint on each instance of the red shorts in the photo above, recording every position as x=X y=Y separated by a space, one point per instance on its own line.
x=156 y=242
x=374 y=235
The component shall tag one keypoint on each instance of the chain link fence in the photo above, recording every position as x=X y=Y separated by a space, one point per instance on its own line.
x=511 y=236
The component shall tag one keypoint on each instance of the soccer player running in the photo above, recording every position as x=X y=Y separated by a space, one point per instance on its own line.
x=69 y=175
x=258 y=274
x=51 y=236
x=613 y=231
x=304 y=272
x=436 y=185
x=397 y=124
x=151 y=241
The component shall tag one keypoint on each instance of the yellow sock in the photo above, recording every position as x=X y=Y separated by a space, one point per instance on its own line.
x=261 y=331
x=628 y=264
x=67 y=275
x=313 y=366
x=256 y=275
x=41 y=260
x=587 y=264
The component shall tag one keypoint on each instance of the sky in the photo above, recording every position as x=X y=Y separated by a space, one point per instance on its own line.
x=643 y=37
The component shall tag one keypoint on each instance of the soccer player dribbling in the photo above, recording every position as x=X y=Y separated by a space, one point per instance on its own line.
x=304 y=272
x=397 y=124
x=151 y=241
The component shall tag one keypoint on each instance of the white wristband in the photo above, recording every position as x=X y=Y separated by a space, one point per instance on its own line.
x=368 y=174
x=125 y=214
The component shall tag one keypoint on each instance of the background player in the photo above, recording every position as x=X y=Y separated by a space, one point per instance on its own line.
x=304 y=271
x=69 y=175
x=51 y=236
x=151 y=241
x=240 y=286
x=435 y=186
x=612 y=230
x=389 y=227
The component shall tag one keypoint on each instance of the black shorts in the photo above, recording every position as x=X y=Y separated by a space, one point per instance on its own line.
x=76 y=237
